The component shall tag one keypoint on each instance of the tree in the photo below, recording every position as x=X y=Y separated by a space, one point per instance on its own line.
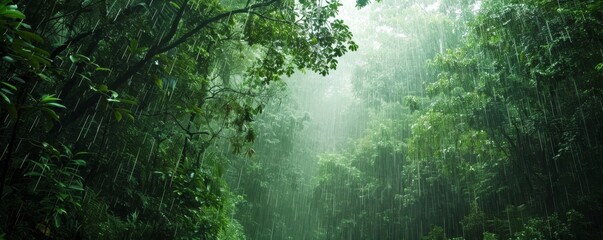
x=377 y=187
x=135 y=94
x=522 y=93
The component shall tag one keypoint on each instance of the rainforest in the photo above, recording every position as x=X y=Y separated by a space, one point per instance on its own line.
x=301 y=119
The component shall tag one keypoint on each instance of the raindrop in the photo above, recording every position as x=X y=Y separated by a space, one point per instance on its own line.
x=134 y=166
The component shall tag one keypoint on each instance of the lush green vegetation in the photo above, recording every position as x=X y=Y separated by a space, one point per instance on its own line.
x=184 y=119
x=114 y=112
x=503 y=140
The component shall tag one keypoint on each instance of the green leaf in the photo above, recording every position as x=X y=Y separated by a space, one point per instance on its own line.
x=133 y=45
x=36 y=60
x=49 y=98
x=82 y=153
x=50 y=113
x=79 y=162
x=78 y=58
x=13 y=13
x=103 y=69
x=57 y=220
x=73 y=58
x=129 y=101
x=130 y=116
x=44 y=77
x=86 y=3
x=12 y=87
x=41 y=51
x=61 y=184
x=197 y=109
x=67 y=150
x=77 y=187
x=117 y=114
x=30 y=36
x=87 y=78
x=103 y=88
x=175 y=4
x=8 y=59
x=63 y=196
x=18 y=79
x=159 y=83
x=54 y=104
x=24 y=25
x=5 y=100
x=32 y=174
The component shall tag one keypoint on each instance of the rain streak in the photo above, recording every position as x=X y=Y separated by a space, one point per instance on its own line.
x=309 y=119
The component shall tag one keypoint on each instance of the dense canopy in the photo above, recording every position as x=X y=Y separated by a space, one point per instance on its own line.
x=310 y=119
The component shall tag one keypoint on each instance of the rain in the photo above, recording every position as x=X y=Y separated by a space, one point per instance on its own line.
x=310 y=119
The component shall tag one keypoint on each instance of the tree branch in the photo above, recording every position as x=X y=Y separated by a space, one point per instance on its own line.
x=67 y=43
x=152 y=52
x=270 y=18
x=130 y=10
x=190 y=133
x=170 y=35
x=208 y=21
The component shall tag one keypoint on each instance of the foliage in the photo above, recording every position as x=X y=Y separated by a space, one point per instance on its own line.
x=114 y=110
x=400 y=72
x=157 y=119
x=436 y=233
x=502 y=95
x=489 y=236
x=551 y=227
x=376 y=188
x=365 y=179
x=503 y=145
x=268 y=177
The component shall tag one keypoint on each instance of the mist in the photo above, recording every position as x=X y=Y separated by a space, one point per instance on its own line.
x=313 y=119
